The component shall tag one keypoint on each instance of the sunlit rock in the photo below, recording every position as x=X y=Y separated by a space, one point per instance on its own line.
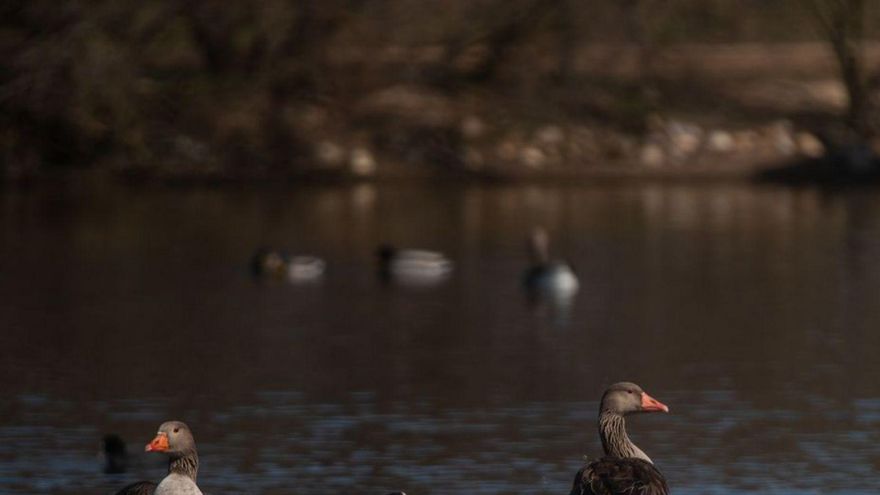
x=809 y=145
x=720 y=141
x=362 y=162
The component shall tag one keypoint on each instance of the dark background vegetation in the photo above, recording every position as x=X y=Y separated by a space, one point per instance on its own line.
x=281 y=88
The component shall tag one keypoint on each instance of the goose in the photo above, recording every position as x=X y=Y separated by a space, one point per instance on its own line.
x=175 y=439
x=412 y=265
x=546 y=276
x=625 y=468
x=272 y=263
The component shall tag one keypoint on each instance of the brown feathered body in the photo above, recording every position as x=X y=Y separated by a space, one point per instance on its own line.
x=613 y=476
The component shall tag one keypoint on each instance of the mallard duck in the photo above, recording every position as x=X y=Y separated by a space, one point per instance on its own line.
x=272 y=263
x=412 y=265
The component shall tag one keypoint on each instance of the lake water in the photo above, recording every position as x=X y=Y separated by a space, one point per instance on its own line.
x=753 y=312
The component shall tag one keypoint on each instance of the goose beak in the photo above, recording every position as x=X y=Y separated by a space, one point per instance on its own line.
x=159 y=444
x=650 y=404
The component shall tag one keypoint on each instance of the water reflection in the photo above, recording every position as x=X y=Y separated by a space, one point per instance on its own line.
x=751 y=311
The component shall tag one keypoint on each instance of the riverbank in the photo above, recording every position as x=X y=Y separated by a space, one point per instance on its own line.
x=701 y=111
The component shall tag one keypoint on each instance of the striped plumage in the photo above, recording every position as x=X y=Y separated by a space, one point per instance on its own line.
x=175 y=439
x=625 y=469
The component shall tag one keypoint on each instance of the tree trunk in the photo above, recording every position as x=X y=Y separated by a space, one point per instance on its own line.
x=843 y=23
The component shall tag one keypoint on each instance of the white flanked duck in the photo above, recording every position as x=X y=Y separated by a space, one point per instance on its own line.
x=272 y=263
x=174 y=439
x=554 y=278
x=413 y=266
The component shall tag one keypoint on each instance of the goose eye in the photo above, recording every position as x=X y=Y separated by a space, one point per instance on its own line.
x=176 y=430
x=628 y=391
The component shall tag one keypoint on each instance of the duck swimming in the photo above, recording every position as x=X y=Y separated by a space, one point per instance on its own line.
x=417 y=266
x=275 y=264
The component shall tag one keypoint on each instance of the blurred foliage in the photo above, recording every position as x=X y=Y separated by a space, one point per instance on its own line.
x=845 y=24
x=244 y=88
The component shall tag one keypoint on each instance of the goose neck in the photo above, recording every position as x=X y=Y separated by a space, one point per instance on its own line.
x=615 y=441
x=187 y=464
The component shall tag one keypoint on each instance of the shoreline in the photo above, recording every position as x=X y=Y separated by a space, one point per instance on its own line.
x=739 y=171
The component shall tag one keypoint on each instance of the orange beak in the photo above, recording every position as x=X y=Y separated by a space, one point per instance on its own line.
x=650 y=404
x=159 y=444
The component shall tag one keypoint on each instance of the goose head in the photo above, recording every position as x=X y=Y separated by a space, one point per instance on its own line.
x=625 y=398
x=173 y=438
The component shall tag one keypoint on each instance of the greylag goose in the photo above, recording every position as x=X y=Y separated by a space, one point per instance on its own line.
x=175 y=439
x=625 y=468
x=412 y=265
x=272 y=263
x=546 y=276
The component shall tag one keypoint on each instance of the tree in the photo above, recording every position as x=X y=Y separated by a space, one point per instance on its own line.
x=843 y=24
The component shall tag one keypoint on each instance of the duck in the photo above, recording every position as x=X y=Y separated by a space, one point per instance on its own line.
x=545 y=276
x=175 y=439
x=115 y=454
x=277 y=264
x=625 y=468
x=412 y=265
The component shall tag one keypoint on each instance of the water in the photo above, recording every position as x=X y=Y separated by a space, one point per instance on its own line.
x=752 y=312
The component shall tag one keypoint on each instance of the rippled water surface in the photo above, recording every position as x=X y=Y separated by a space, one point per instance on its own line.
x=754 y=313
